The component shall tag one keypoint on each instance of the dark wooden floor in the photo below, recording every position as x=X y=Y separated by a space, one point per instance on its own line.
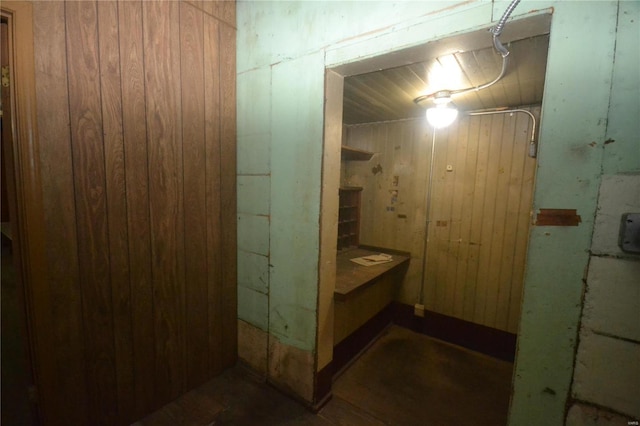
x=404 y=379
x=15 y=409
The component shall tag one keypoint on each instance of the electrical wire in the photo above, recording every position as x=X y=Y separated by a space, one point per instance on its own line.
x=497 y=45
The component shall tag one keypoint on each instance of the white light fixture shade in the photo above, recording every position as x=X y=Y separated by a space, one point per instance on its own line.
x=441 y=116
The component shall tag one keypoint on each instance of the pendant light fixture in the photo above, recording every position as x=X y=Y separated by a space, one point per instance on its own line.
x=442 y=114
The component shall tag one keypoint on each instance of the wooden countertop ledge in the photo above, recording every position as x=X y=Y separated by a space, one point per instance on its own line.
x=350 y=276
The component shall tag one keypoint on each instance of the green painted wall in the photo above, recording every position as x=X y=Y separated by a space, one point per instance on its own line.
x=283 y=48
x=580 y=85
x=622 y=154
x=296 y=151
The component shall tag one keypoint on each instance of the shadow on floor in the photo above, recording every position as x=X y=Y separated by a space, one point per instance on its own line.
x=15 y=407
x=404 y=378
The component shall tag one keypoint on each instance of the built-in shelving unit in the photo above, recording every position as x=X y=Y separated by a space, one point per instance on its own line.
x=349 y=217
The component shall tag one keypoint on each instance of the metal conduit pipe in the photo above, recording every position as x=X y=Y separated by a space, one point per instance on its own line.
x=427 y=216
x=449 y=93
x=496 y=31
x=505 y=64
x=533 y=148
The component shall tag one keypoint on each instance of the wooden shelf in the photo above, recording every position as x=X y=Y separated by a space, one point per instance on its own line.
x=354 y=154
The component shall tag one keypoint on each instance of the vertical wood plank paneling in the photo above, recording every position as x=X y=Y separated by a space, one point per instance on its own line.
x=137 y=192
x=480 y=210
x=408 y=174
x=506 y=280
x=136 y=104
x=380 y=197
x=85 y=114
x=475 y=234
x=228 y=191
x=377 y=200
x=397 y=150
x=469 y=247
x=487 y=217
x=436 y=263
x=401 y=150
x=165 y=194
x=178 y=304
x=225 y=10
x=430 y=269
x=496 y=259
x=373 y=143
x=207 y=7
x=229 y=11
x=388 y=153
x=110 y=83
x=448 y=266
x=195 y=220
x=395 y=154
x=522 y=232
x=412 y=188
x=212 y=187
x=457 y=214
x=60 y=216
x=195 y=3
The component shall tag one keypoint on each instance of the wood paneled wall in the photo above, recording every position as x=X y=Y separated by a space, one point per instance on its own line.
x=480 y=212
x=136 y=118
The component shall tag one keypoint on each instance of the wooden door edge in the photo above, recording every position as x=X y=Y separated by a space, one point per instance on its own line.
x=29 y=206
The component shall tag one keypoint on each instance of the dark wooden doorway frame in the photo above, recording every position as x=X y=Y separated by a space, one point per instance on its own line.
x=27 y=214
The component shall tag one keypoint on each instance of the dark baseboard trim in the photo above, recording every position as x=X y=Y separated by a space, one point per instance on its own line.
x=323 y=382
x=345 y=351
x=489 y=341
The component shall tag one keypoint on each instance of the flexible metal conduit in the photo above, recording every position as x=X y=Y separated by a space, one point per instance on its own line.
x=503 y=70
x=427 y=215
x=496 y=31
x=532 y=143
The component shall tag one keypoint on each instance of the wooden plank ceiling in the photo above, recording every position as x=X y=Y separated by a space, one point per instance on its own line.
x=388 y=94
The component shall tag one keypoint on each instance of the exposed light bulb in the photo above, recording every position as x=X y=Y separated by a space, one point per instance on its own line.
x=441 y=115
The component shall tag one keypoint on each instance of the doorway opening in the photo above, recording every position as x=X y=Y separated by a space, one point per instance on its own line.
x=467 y=247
